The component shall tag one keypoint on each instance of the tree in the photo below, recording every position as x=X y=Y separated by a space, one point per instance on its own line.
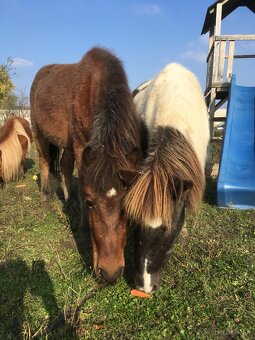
x=22 y=102
x=6 y=85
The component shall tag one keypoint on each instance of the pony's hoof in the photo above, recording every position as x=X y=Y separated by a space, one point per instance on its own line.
x=45 y=204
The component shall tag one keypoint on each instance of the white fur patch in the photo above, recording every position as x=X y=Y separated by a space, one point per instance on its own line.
x=147 y=287
x=174 y=98
x=112 y=192
x=154 y=223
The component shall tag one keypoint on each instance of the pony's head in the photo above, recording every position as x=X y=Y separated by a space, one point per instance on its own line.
x=170 y=180
x=153 y=245
x=103 y=191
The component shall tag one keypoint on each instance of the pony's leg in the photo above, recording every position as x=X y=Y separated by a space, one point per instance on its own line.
x=67 y=166
x=42 y=145
x=84 y=223
x=24 y=145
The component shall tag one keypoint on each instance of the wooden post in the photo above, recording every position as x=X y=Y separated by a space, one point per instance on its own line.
x=221 y=62
x=214 y=79
x=211 y=38
x=218 y=18
x=209 y=164
x=217 y=43
x=210 y=58
x=230 y=59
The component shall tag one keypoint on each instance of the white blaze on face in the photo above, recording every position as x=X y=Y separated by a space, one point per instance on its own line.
x=154 y=223
x=147 y=287
x=112 y=192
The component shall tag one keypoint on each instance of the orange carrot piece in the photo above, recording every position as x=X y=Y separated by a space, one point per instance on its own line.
x=140 y=294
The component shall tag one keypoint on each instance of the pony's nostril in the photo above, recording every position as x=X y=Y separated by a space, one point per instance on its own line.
x=99 y=272
x=155 y=288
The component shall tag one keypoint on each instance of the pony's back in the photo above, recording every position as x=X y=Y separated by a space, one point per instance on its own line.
x=174 y=98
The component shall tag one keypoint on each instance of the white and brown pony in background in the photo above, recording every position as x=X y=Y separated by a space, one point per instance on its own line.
x=171 y=177
x=15 y=141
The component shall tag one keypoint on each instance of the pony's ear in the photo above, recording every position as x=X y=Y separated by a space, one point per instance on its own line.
x=187 y=185
x=128 y=176
x=134 y=156
x=88 y=156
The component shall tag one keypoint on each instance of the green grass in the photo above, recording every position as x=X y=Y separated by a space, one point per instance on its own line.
x=208 y=288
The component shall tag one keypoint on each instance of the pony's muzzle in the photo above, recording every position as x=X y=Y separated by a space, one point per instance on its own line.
x=147 y=283
x=110 y=277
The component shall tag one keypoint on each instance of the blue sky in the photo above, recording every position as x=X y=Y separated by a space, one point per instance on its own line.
x=146 y=35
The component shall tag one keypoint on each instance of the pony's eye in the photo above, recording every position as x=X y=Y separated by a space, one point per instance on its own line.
x=124 y=184
x=88 y=203
x=163 y=228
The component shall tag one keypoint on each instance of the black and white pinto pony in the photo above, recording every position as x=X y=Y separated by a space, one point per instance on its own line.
x=172 y=176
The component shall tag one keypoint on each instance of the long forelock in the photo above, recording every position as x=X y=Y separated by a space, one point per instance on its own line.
x=170 y=162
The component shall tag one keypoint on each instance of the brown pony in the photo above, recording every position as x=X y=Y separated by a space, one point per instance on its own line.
x=86 y=109
x=15 y=141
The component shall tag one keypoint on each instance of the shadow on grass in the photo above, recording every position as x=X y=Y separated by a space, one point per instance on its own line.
x=29 y=164
x=81 y=236
x=15 y=280
x=210 y=195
